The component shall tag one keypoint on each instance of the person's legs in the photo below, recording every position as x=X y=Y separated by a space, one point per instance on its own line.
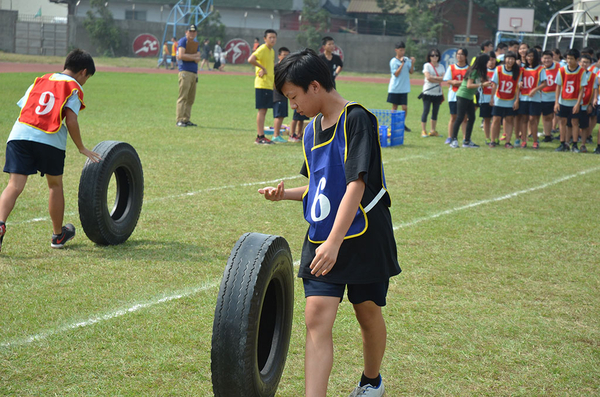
x=374 y=335
x=277 y=122
x=534 y=121
x=394 y=106
x=191 y=98
x=319 y=316
x=547 y=123
x=426 y=107
x=462 y=105
x=508 y=127
x=434 y=115
x=470 y=120
x=56 y=202
x=260 y=122
x=496 y=121
x=184 y=88
x=451 y=125
x=523 y=122
x=16 y=184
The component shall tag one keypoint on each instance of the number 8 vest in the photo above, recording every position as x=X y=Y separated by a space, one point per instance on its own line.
x=44 y=106
x=327 y=181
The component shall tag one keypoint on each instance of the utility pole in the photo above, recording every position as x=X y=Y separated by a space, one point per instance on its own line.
x=470 y=14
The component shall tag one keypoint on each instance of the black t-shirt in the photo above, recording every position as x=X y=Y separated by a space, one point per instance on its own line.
x=371 y=257
x=332 y=64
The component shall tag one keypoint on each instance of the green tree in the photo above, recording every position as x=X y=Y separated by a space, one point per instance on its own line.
x=314 y=23
x=424 y=28
x=103 y=31
x=394 y=23
x=211 y=28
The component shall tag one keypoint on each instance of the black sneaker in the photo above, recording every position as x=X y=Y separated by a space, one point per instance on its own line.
x=59 y=240
x=407 y=129
x=547 y=138
x=562 y=148
x=2 y=233
x=182 y=124
x=597 y=150
x=589 y=140
x=262 y=140
x=574 y=148
x=190 y=124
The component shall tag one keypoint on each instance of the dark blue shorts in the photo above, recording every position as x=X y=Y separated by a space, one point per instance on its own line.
x=280 y=109
x=357 y=293
x=485 y=110
x=547 y=108
x=566 y=112
x=584 y=119
x=453 y=107
x=527 y=108
x=299 y=117
x=397 y=99
x=499 y=111
x=27 y=157
x=264 y=98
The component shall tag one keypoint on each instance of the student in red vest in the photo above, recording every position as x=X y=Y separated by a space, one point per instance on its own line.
x=485 y=110
x=590 y=91
x=530 y=98
x=38 y=139
x=569 y=93
x=454 y=76
x=548 y=94
x=505 y=98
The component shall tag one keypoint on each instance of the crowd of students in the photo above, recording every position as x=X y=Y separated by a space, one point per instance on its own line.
x=515 y=87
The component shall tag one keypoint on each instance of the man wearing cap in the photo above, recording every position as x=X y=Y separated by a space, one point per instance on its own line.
x=188 y=57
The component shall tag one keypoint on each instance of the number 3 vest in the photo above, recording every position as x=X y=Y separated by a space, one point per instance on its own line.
x=46 y=101
x=327 y=181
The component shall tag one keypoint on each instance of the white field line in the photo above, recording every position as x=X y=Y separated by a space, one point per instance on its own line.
x=138 y=306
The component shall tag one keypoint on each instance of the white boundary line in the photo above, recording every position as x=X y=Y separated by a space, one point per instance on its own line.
x=209 y=285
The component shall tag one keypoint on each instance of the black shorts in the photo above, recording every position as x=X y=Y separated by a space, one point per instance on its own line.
x=528 y=108
x=547 y=108
x=280 y=109
x=584 y=119
x=453 y=107
x=499 y=111
x=357 y=293
x=485 y=110
x=397 y=99
x=299 y=117
x=264 y=98
x=566 y=112
x=28 y=157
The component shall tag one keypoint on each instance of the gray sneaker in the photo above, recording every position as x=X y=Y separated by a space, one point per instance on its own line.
x=454 y=144
x=368 y=391
x=469 y=144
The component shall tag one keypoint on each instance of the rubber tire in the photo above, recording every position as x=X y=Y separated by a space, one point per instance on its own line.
x=112 y=227
x=253 y=318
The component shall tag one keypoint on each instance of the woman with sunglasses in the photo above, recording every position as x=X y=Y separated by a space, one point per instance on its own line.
x=432 y=91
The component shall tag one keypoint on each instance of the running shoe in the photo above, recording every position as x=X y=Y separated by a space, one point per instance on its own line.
x=407 y=129
x=293 y=138
x=262 y=140
x=589 y=140
x=523 y=145
x=563 y=147
x=59 y=240
x=368 y=391
x=493 y=144
x=454 y=144
x=424 y=134
x=181 y=124
x=190 y=124
x=597 y=150
x=583 y=149
x=574 y=148
x=536 y=145
x=508 y=145
x=448 y=141
x=469 y=144
x=547 y=138
x=433 y=133
x=503 y=137
x=278 y=139
x=2 y=233
x=517 y=142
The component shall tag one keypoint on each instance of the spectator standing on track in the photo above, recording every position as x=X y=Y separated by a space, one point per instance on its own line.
x=432 y=95
x=401 y=67
x=333 y=61
x=174 y=53
x=205 y=54
x=188 y=55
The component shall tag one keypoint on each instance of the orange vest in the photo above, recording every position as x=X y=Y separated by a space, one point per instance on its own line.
x=571 y=82
x=588 y=89
x=44 y=106
x=174 y=49
x=507 y=86
x=531 y=79
x=551 y=78
x=488 y=90
x=458 y=73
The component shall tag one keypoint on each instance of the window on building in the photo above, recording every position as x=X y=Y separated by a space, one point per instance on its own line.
x=135 y=15
x=462 y=39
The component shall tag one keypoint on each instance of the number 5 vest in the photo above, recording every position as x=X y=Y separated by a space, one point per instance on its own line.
x=571 y=82
x=325 y=164
x=45 y=103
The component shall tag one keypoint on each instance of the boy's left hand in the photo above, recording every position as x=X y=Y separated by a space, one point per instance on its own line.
x=325 y=257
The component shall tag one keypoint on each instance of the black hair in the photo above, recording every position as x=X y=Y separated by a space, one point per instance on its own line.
x=431 y=52
x=536 y=58
x=400 y=44
x=77 y=60
x=257 y=39
x=513 y=43
x=537 y=47
x=282 y=49
x=486 y=44
x=556 y=51
x=574 y=52
x=586 y=56
x=269 y=31
x=493 y=56
x=516 y=70
x=326 y=39
x=587 y=50
x=479 y=66
x=548 y=52
x=301 y=68
x=464 y=51
x=501 y=45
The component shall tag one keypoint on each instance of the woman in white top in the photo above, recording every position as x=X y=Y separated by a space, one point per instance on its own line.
x=432 y=91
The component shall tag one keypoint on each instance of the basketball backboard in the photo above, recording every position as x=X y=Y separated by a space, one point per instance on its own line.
x=515 y=19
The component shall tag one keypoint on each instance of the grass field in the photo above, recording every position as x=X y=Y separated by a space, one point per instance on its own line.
x=499 y=251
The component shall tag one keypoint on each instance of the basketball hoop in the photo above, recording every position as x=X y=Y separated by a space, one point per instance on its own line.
x=516 y=23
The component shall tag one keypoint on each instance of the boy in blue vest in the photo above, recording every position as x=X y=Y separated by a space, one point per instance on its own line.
x=350 y=241
x=38 y=139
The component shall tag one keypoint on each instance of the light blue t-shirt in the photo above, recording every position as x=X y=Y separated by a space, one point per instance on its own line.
x=569 y=102
x=400 y=84
x=537 y=97
x=503 y=103
x=23 y=132
x=483 y=98
x=448 y=77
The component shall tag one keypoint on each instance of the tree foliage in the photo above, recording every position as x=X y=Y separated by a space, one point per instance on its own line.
x=314 y=23
x=211 y=28
x=103 y=31
x=424 y=28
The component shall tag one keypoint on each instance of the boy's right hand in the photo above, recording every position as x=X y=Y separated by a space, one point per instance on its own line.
x=93 y=156
x=273 y=193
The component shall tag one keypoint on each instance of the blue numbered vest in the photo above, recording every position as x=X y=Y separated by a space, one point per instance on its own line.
x=327 y=181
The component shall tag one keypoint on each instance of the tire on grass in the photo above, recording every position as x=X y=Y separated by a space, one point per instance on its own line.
x=253 y=318
x=112 y=226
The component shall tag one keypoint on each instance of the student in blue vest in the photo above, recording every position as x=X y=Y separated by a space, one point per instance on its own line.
x=350 y=241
